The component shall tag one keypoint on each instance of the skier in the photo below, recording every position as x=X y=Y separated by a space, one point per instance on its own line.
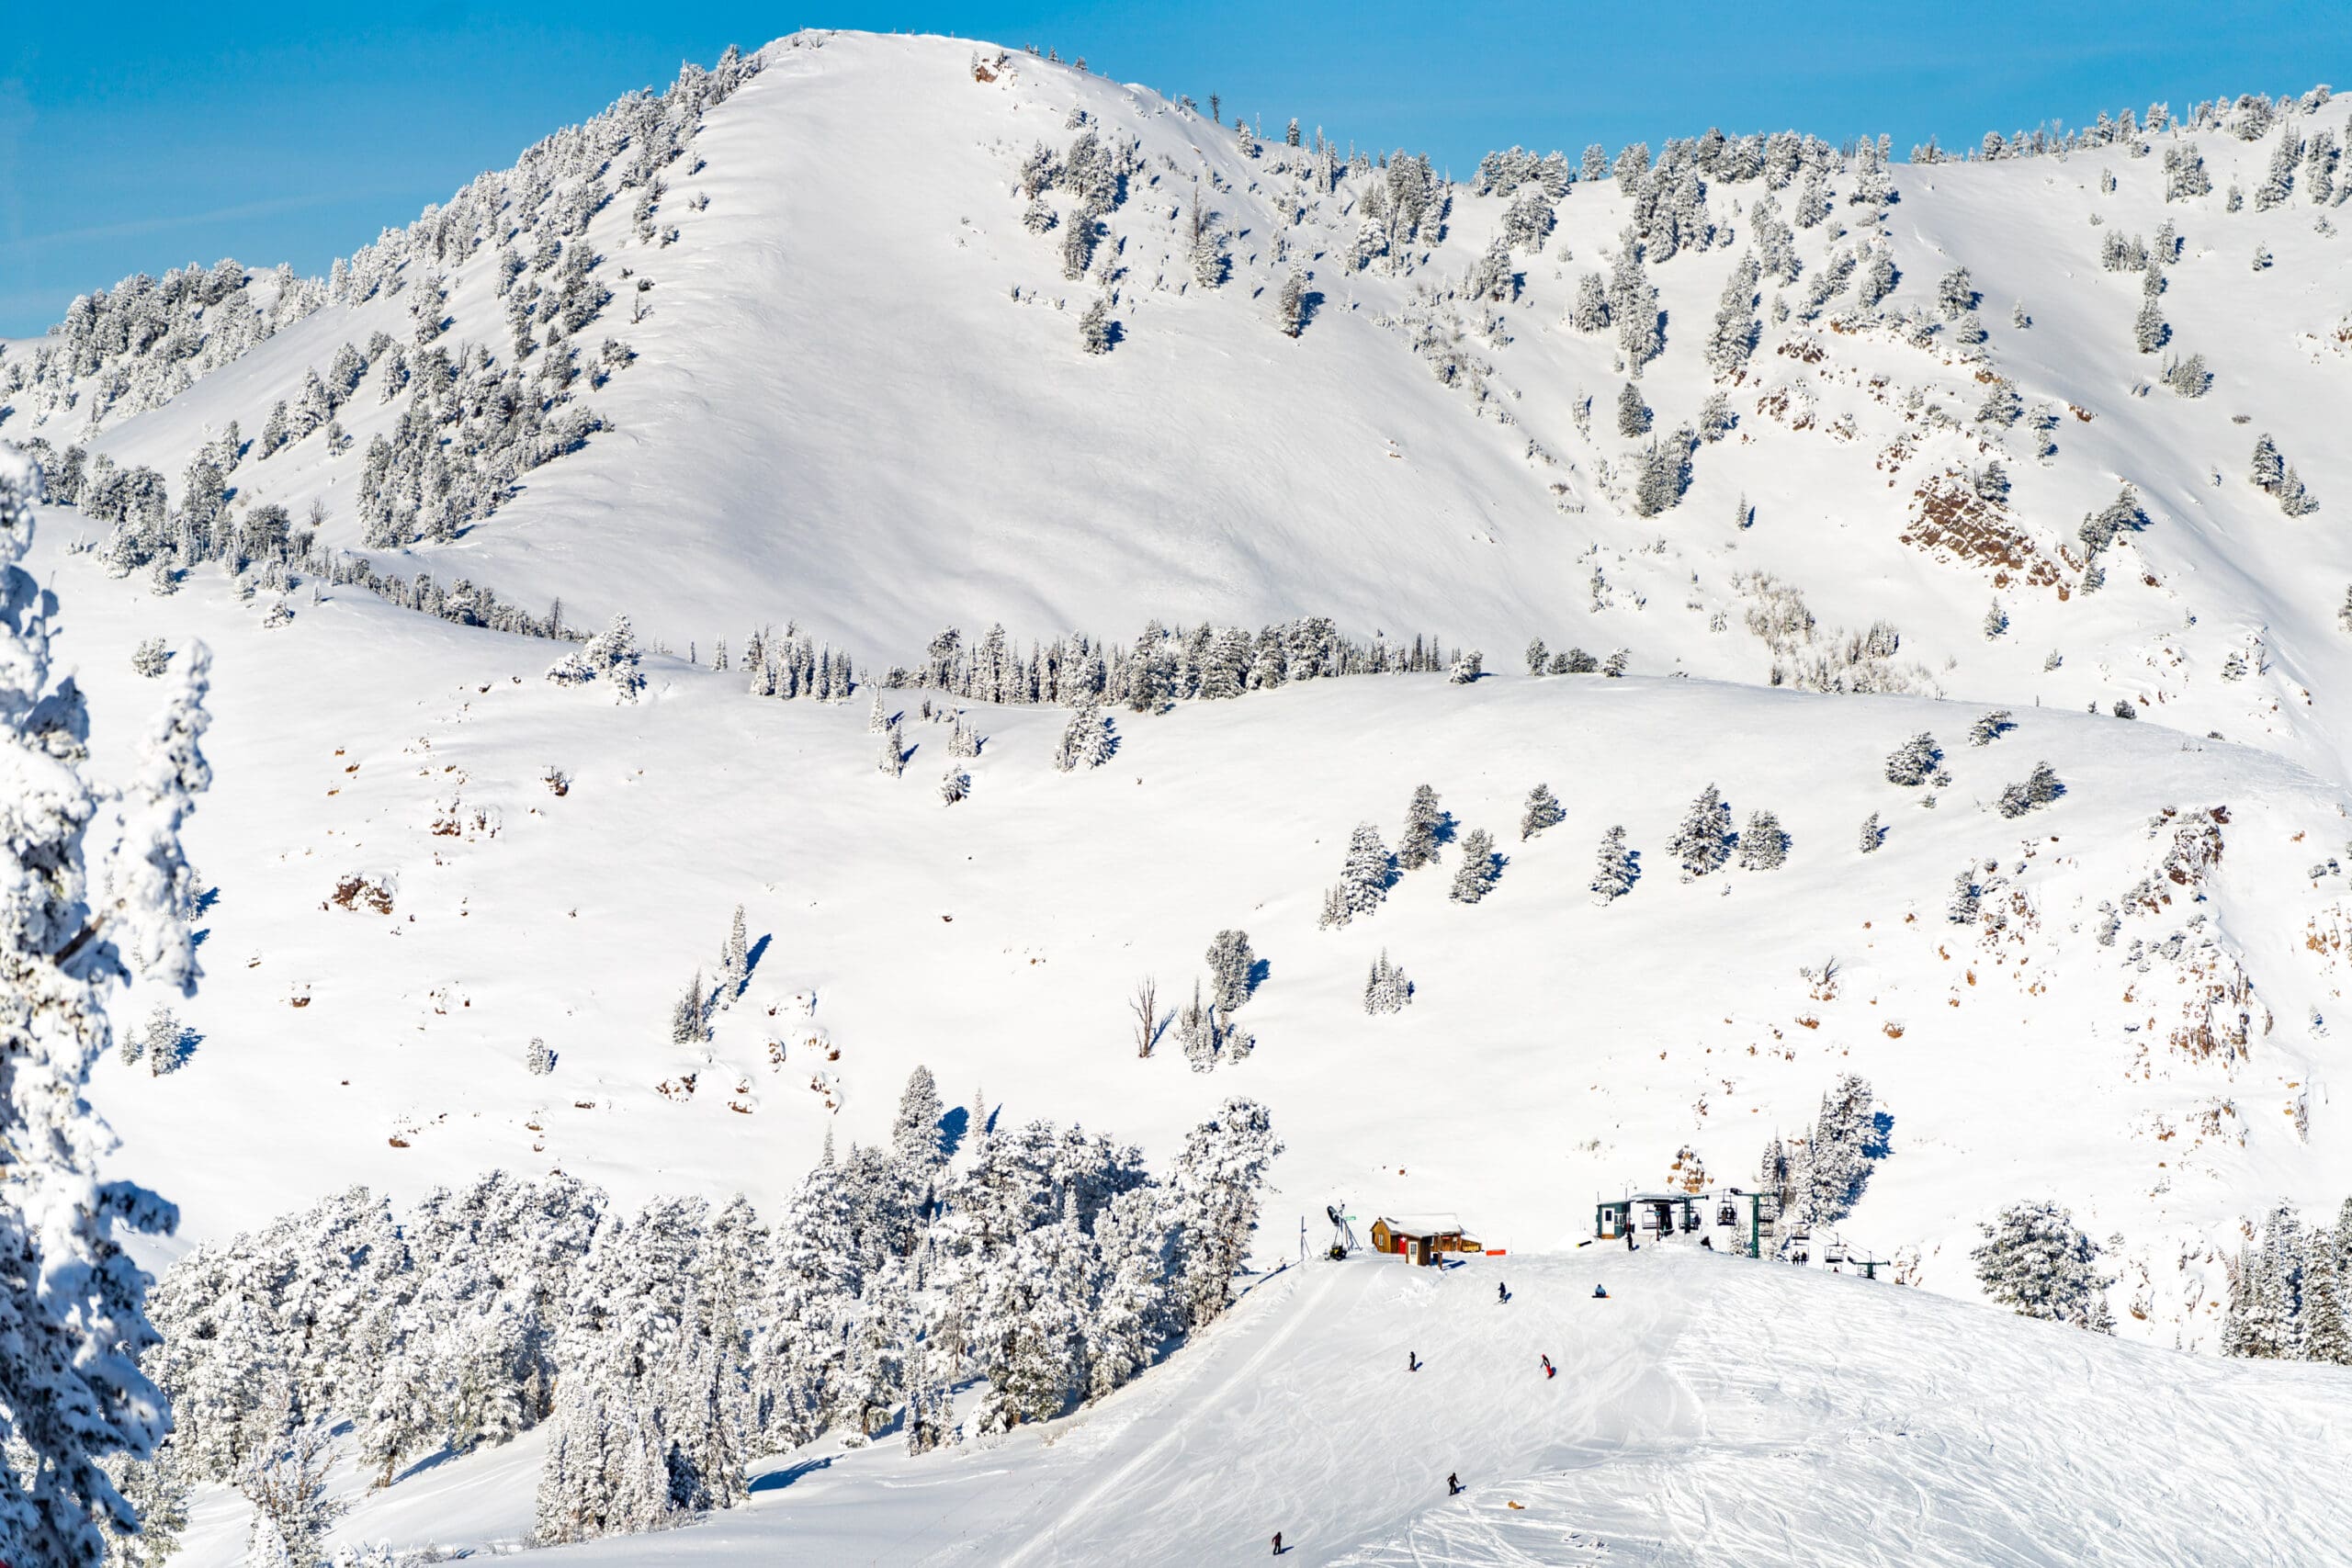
x=1549 y=1370
x=1452 y=1484
x=1501 y=1295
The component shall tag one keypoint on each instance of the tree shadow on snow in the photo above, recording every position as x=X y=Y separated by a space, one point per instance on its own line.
x=1259 y=971
x=777 y=1479
x=752 y=959
x=1881 y=1136
x=1310 y=305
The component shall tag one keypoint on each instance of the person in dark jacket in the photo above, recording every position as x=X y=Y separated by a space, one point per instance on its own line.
x=1278 y=1543
x=1548 y=1368
x=1501 y=1294
x=1452 y=1484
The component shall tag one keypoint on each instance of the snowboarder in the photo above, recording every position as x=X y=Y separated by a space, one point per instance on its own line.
x=1600 y=1292
x=1501 y=1295
x=1549 y=1370
x=1412 y=1363
x=1629 y=1240
x=1452 y=1484
x=1278 y=1543
x=1708 y=1242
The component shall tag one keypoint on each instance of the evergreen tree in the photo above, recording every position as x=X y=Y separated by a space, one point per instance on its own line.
x=1425 y=829
x=1543 y=811
x=1094 y=327
x=2325 y=1337
x=1591 y=311
x=734 y=961
x=689 y=1013
x=1385 y=989
x=1231 y=965
x=1961 y=908
x=914 y=1132
x=157 y=1491
x=1763 y=844
x=72 y=1394
x=2035 y=1262
x=1632 y=414
x=1613 y=874
x=1216 y=1182
x=1872 y=834
x=1703 y=842
x=1086 y=740
x=539 y=1060
x=1366 y=879
x=287 y=1483
x=1476 y=876
x=1912 y=763
x=1290 y=304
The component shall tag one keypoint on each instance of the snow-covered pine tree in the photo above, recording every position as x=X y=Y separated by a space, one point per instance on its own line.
x=1612 y=876
x=1216 y=1182
x=734 y=961
x=2035 y=1262
x=1591 y=311
x=1231 y=965
x=1872 y=834
x=1912 y=763
x=1632 y=414
x=161 y=1042
x=1475 y=878
x=148 y=659
x=1703 y=842
x=1366 y=877
x=2325 y=1335
x=539 y=1060
x=1425 y=829
x=914 y=1132
x=1086 y=740
x=1990 y=726
x=1094 y=327
x=157 y=1491
x=955 y=784
x=72 y=1394
x=287 y=1483
x=689 y=1014
x=1961 y=908
x=1543 y=811
x=1290 y=304
x=1763 y=843
x=1385 y=989
x=1196 y=1031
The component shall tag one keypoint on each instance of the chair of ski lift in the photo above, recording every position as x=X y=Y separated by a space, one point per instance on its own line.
x=1727 y=1212
x=1832 y=1250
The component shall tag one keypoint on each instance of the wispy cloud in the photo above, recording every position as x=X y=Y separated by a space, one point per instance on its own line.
x=130 y=227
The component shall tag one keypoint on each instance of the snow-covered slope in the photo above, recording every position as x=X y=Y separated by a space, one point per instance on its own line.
x=2164 y=1085
x=848 y=393
x=1711 y=1410
x=859 y=402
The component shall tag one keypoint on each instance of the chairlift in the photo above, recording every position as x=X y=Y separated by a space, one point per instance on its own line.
x=1726 y=1214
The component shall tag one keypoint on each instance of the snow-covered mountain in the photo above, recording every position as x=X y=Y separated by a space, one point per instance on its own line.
x=801 y=357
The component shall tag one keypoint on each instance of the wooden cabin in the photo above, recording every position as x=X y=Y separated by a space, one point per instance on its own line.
x=1420 y=1239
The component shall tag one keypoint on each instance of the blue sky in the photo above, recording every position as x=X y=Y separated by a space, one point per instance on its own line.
x=180 y=133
